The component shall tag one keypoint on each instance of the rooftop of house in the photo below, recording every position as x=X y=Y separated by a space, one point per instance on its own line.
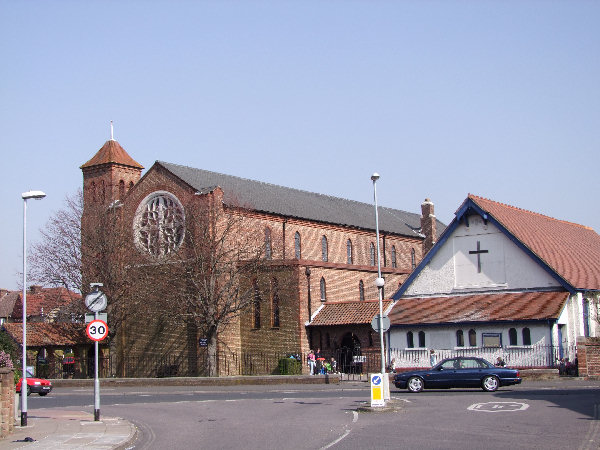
x=40 y=301
x=493 y=307
x=48 y=334
x=571 y=250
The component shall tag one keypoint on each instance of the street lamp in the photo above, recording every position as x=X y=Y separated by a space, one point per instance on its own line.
x=37 y=195
x=379 y=282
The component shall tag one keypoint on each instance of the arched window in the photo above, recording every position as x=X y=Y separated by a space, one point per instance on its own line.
x=256 y=305
x=526 y=336
x=349 y=251
x=472 y=338
x=460 y=339
x=413 y=259
x=361 y=291
x=121 y=189
x=268 y=254
x=274 y=304
x=130 y=185
x=422 y=339
x=372 y=249
x=323 y=290
x=102 y=191
x=297 y=245
x=512 y=336
x=394 y=260
x=93 y=187
x=410 y=342
x=324 y=248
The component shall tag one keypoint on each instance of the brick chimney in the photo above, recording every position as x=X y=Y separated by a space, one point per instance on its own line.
x=35 y=289
x=428 y=225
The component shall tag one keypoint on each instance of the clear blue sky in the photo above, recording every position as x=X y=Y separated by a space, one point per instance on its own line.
x=442 y=98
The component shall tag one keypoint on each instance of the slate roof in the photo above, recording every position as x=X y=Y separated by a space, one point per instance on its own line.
x=493 y=307
x=112 y=152
x=347 y=313
x=41 y=334
x=571 y=250
x=289 y=202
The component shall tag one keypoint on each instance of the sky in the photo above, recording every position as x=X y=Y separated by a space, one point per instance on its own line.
x=442 y=98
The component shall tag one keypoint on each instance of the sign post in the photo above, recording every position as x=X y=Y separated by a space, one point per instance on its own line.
x=96 y=330
x=377 y=389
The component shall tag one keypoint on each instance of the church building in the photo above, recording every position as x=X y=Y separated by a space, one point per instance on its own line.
x=501 y=281
x=141 y=233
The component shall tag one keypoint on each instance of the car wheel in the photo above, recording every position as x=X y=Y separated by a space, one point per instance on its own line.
x=415 y=384
x=28 y=391
x=43 y=393
x=490 y=383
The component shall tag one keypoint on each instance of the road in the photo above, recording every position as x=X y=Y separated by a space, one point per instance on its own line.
x=544 y=415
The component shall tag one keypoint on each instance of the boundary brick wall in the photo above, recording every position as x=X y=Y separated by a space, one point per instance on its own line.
x=588 y=357
x=7 y=401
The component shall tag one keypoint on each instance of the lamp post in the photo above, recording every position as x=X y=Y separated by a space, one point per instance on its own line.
x=38 y=195
x=379 y=282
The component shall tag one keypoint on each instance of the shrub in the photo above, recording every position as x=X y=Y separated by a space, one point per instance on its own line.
x=290 y=366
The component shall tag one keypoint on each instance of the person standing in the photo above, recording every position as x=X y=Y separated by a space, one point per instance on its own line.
x=312 y=361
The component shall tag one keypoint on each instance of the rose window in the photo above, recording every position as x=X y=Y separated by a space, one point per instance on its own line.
x=159 y=225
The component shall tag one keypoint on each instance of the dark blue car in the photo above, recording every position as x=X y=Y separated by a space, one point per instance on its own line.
x=461 y=372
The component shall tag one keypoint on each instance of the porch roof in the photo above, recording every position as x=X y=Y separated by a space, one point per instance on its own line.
x=489 y=307
x=347 y=313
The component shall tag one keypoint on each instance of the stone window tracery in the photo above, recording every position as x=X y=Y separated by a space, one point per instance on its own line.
x=159 y=225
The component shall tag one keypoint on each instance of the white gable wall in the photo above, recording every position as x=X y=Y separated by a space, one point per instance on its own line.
x=502 y=265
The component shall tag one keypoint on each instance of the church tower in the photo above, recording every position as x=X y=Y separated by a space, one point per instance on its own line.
x=109 y=175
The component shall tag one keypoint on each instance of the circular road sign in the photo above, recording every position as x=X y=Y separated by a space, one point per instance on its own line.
x=97 y=330
x=385 y=321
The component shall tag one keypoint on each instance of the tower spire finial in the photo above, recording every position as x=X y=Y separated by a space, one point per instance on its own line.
x=112 y=138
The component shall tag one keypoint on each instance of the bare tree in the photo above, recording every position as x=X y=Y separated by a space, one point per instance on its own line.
x=55 y=260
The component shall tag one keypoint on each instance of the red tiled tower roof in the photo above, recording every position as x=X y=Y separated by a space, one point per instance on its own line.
x=112 y=152
x=571 y=250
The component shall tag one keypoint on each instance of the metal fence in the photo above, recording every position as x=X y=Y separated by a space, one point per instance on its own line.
x=352 y=362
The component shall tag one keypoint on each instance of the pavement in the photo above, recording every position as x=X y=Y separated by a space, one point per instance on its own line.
x=59 y=429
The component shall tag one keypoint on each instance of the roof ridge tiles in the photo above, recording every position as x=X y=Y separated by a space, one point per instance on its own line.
x=506 y=205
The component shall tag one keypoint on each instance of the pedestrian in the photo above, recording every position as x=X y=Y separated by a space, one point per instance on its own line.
x=500 y=362
x=311 y=360
x=432 y=357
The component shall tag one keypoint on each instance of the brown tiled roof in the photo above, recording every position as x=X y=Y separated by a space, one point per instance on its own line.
x=7 y=303
x=41 y=334
x=478 y=308
x=571 y=250
x=346 y=313
x=112 y=152
x=50 y=299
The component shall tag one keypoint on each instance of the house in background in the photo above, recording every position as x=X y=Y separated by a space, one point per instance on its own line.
x=57 y=345
x=501 y=281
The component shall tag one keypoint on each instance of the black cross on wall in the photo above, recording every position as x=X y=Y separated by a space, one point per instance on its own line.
x=478 y=252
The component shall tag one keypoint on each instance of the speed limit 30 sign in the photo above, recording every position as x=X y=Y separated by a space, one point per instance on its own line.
x=97 y=330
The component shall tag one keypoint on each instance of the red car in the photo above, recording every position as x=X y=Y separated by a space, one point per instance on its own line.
x=35 y=385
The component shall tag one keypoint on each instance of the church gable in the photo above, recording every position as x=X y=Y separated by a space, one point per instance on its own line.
x=478 y=257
